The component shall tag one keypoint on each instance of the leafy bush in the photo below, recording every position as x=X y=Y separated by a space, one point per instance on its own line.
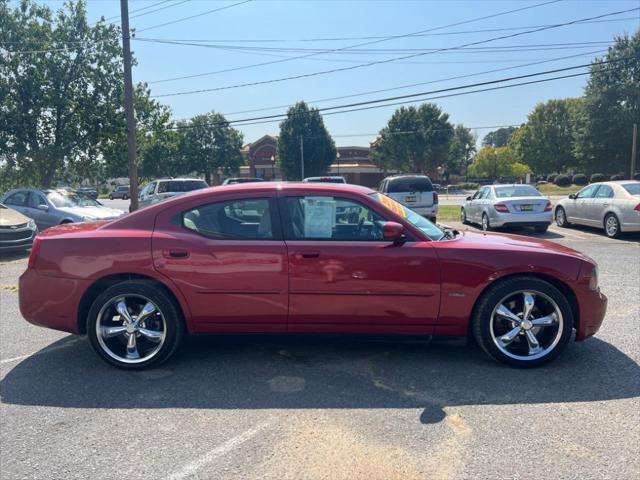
x=580 y=179
x=617 y=176
x=562 y=180
x=552 y=178
x=599 y=177
x=465 y=186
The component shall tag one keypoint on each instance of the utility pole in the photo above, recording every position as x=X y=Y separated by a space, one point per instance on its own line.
x=301 y=157
x=634 y=152
x=128 y=107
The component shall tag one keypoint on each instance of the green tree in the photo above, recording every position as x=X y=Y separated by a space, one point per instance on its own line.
x=546 y=141
x=211 y=146
x=57 y=108
x=499 y=137
x=461 y=149
x=611 y=107
x=497 y=162
x=415 y=140
x=319 y=149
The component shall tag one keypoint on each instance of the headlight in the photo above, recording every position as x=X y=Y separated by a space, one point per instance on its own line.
x=31 y=224
x=593 y=281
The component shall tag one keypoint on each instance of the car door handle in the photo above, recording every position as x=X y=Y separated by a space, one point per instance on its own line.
x=605 y=205
x=176 y=253
x=302 y=255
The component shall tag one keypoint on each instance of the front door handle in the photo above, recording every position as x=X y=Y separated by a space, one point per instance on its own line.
x=176 y=253
x=307 y=255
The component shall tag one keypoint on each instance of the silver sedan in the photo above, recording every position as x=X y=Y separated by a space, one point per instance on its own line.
x=507 y=206
x=614 y=206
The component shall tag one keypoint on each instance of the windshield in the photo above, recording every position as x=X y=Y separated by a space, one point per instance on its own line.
x=517 y=191
x=417 y=220
x=71 y=199
x=410 y=184
x=181 y=186
x=632 y=188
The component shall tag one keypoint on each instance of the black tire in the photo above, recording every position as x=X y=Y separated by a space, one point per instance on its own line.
x=125 y=197
x=561 y=221
x=486 y=224
x=463 y=217
x=481 y=322
x=110 y=197
x=541 y=228
x=174 y=322
x=612 y=226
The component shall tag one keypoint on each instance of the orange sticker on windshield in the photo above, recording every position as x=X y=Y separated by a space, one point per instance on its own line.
x=392 y=205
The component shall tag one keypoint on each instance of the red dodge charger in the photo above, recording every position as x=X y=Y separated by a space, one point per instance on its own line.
x=303 y=258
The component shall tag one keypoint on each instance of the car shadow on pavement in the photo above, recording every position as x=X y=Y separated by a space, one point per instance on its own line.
x=266 y=372
x=13 y=256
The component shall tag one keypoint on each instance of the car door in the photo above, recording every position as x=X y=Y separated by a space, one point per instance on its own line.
x=18 y=201
x=343 y=277
x=228 y=259
x=41 y=211
x=474 y=205
x=578 y=208
x=602 y=201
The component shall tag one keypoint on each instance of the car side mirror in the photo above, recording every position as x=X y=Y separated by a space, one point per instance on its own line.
x=392 y=231
x=572 y=196
x=469 y=197
x=43 y=207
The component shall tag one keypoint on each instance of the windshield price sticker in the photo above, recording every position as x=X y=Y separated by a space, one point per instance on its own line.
x=319 y=217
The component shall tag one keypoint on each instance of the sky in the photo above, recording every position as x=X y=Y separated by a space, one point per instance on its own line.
x=247 y=29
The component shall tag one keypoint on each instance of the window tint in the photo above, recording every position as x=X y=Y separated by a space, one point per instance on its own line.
x=36 y=199
x=248 y=219
x=181 y=186
x=587 y=192
x=483 y=193
x=632 y=188
x=409 y=184
x=605 y=191
x=517 y=191
x=330 y=218
x=18 y=198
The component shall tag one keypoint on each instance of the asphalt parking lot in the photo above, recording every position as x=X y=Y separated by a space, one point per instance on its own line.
x=327 y=407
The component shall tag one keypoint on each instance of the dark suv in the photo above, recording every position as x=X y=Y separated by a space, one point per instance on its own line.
x=120 y=192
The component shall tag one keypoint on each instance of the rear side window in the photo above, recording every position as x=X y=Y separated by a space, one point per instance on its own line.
x=181 y=186
x=605 y=191
x=249 y=219
x=409 y=184
x=632 y=188
x=18 y=198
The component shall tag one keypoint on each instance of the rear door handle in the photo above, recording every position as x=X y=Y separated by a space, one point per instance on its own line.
x=302 y=255
x=176 y=253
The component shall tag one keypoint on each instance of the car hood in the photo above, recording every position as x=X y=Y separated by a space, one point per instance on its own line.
x=502 y=241
x=94 y=212
x=9 y=216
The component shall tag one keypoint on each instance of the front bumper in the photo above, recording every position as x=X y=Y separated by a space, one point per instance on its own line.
x=593 y=307
x=520 y=219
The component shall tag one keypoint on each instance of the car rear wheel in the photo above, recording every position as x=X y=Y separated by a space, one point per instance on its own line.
x=134 y=325
x=125 y=197
x=486 y=226
x=561 y=218
x=110 y=197
x=611 y=226
x=463 y=216
x=523 y=321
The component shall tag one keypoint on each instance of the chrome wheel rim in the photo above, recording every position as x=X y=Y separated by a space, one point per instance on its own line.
x=485 y=223
x=463 y=215
x=526 y=325
x=560 y=217
x=612 y=226
x=131 y=328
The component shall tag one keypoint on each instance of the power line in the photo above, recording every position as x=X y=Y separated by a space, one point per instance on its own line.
x=393 y=37
x=194 y=16
x=359 y=105
x=161 y=8
x=377 y=62
x=400 y=87
x=115 y=17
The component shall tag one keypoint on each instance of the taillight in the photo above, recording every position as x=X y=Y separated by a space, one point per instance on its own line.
x=501 y=207
x=547 y=207
x=637 y=209
x=435 y=197
x=34 y=252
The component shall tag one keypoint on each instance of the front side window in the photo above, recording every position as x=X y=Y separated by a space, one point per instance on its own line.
x=35 y=199
x=332 y=218
x=587 y=192
x=246 y=219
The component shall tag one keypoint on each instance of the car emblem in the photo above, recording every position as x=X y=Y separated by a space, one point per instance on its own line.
x=13 y=227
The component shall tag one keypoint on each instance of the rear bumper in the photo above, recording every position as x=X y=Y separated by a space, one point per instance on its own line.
x=51 y=302
x=592 y=307
x=431 y=211
x=519 y=219
x=630 y=227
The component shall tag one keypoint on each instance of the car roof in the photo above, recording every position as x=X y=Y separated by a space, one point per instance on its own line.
x=259 y=186
x=394 y=177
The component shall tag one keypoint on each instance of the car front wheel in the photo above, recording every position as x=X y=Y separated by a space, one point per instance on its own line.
x=463 y=216
x=486 y=226
x=523 y=321
x=134 y=325
x=110 y=197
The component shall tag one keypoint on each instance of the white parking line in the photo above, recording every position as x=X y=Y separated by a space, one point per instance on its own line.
x=564 y=233
x=192 y=467
x=46 y=350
